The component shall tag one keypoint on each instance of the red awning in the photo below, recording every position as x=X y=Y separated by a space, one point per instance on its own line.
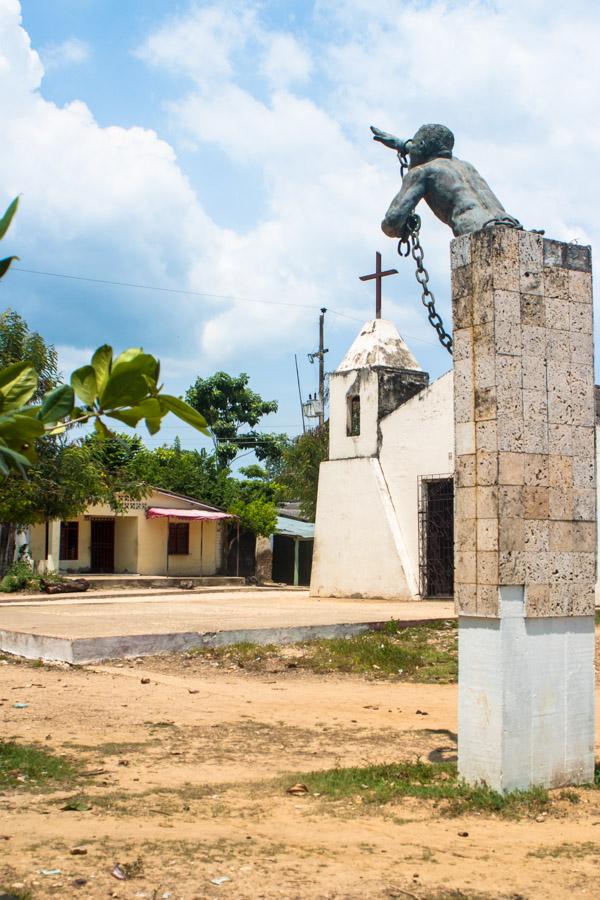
x=160 y=512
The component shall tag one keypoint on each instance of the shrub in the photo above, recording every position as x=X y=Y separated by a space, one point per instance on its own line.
x=19 y=576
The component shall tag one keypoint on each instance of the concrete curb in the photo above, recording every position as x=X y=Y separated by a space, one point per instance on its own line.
x=116 y=594
x=78 y=651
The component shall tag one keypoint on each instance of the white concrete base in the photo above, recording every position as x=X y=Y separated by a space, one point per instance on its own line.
x=526 y=698
x=81 y=650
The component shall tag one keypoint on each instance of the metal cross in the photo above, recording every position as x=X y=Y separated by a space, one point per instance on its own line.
x=378 y=275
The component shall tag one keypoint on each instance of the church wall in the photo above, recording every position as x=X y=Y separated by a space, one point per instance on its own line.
x=358 y=549
x=342 y=385
x=417 y=439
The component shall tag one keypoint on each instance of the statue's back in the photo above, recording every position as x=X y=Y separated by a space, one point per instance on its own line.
x=459 y=196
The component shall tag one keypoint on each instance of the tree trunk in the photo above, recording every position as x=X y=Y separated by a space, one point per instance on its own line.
x=7 y=546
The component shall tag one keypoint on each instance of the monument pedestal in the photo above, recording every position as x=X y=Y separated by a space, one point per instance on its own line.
x=526 y=711
x=525 y=531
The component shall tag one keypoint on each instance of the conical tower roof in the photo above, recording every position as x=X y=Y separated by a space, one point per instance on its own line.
x=379 y=344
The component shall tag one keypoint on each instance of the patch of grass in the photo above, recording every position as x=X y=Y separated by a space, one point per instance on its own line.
x=572 y=796
x=133 y=869
x=115 y=748
x=438 y=782
x=26 y=766
x=425 y=653
x=122 y=748
x=243 y=654
x=21 y=661
x=457 y=894
x=597 y=617
x=570 y=851
x=153 y=801
x=15 y=894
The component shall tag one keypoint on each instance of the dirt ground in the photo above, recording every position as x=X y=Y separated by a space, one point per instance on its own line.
x=193 y=768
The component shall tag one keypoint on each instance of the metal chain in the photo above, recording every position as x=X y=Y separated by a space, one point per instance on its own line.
x=413 y=246
x=403 y=160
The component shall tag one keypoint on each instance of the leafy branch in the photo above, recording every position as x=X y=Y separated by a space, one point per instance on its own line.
x=125 y=389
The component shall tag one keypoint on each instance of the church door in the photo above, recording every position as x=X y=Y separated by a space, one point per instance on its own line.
x=436 y=536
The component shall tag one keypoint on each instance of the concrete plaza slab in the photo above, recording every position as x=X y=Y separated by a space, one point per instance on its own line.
x=92 y=629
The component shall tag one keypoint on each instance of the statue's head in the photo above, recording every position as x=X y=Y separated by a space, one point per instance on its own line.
x=429 y=142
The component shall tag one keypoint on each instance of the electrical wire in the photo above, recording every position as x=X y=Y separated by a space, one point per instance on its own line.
x=164 y=290
x=188 y=293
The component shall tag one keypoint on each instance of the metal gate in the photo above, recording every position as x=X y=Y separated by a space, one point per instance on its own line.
x=436 y=536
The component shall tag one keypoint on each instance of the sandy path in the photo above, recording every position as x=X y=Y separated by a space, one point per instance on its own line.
x=197 y=799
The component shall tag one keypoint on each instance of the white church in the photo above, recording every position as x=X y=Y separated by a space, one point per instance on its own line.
x=384 y=523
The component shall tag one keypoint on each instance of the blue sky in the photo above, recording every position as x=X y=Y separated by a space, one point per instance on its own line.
x=223 y=148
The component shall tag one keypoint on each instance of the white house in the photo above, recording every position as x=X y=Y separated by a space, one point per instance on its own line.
x=384 y=523
x=163 y=534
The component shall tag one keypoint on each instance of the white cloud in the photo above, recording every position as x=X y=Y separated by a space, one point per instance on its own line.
x=73 y=51
x=513 y=80
x=106 y=202
x=285 y=61
x=200 y=43
x=71 y=358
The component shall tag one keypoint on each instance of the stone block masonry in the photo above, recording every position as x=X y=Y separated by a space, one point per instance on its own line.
x=525 y=517
x=524 y=414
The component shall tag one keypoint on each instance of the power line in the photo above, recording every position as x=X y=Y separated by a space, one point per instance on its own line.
x=165 y=290
x=188 y=293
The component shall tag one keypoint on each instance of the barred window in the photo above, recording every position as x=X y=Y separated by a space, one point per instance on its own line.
x=179 y=539
x=69 y=540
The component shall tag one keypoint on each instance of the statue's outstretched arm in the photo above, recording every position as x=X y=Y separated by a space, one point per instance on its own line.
x=389 y=140
x=403 y=204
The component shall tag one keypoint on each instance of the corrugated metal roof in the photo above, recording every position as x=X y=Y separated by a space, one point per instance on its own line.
x=295 y=528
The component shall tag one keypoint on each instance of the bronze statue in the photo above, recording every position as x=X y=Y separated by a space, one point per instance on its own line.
x=454 y=190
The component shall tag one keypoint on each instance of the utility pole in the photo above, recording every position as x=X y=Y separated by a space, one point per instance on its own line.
x=320 y=355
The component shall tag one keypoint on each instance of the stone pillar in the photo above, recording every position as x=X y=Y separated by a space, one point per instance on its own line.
x=53 y=559
x=264 y=559
x=525 y=521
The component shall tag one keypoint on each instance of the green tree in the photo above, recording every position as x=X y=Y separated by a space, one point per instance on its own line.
x=18 y=344
x=194 y=473
x=232 y=411
x=300 y=468
x=258 y=515
x=60 y=484
x=64 y=480
x=198 y=474
x=258 y=483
